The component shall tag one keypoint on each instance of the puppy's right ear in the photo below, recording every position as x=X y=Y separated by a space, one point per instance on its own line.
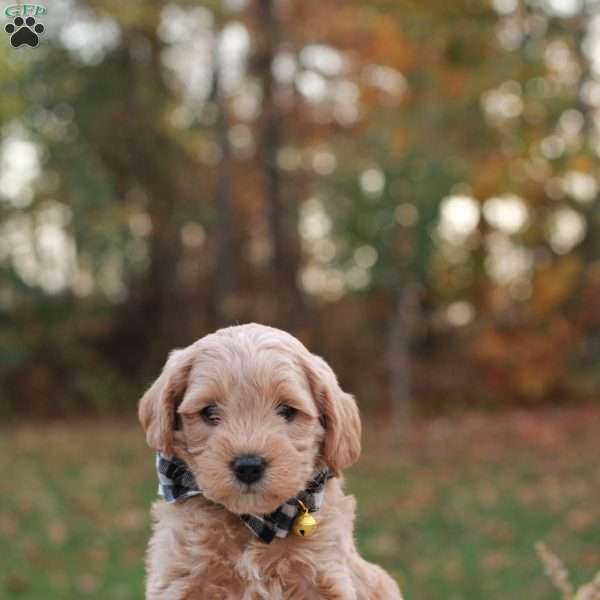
x=158 y=405
x=341 y=447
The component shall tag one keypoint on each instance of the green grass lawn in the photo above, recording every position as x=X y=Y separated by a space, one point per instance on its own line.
x=452 y=509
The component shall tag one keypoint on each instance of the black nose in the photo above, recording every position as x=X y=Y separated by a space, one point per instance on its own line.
x=248 y=469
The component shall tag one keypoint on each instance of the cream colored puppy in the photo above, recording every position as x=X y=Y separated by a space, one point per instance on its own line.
x=253 y=432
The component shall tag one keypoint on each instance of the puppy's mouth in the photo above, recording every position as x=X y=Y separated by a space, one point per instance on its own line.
x=254 y=498
x=249 y=488
x=243 y=490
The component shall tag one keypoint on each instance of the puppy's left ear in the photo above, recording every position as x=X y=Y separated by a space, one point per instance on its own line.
x=341 y=447
x=157 y=407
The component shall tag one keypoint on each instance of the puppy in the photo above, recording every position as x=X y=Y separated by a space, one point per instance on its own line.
x=252 y=433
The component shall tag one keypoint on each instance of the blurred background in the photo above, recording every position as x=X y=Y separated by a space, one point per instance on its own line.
x=410 y=187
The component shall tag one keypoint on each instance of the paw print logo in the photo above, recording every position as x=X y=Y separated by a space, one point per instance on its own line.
x=24 y=31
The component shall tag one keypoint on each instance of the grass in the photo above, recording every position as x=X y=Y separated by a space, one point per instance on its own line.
x=452 y=509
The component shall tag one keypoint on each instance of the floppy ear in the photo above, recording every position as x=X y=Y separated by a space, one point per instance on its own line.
x=157 y=407
x=341 y=447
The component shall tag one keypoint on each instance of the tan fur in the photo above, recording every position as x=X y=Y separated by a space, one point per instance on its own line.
x=200 y=550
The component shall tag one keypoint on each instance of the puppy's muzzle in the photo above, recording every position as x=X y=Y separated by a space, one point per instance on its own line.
x=249 y=468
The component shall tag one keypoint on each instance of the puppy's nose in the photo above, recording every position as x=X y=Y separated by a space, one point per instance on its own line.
x=248 y=469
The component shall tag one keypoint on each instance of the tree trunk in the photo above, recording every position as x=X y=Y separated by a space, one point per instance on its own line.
x=226 y=277
x=399 y=353
x=282 y=216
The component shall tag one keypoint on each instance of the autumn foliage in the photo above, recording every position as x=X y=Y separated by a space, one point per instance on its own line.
x=409 y=187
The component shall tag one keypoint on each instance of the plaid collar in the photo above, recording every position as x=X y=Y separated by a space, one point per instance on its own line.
x=176 y=483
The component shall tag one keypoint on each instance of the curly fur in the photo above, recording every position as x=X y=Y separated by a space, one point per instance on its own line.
x=200 y=550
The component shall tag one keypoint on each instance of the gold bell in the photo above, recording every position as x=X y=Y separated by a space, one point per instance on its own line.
x=304 y=523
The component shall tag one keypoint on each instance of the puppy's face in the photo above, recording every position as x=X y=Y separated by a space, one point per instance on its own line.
x=250 y=424
x=258 y=415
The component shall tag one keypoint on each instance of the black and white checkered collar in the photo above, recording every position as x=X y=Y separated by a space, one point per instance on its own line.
x=176 y=483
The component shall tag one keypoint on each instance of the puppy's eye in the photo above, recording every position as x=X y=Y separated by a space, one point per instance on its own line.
x=210 y=414
x=287 y=412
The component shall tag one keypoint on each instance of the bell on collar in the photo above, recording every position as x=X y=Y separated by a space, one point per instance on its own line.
x=304 y=523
